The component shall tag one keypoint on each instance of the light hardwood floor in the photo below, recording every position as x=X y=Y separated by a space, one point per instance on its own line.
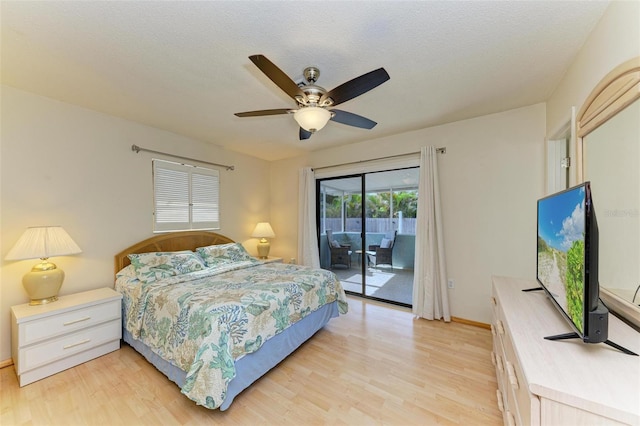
x=375 y=365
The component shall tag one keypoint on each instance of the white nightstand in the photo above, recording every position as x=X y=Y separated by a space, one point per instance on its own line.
x=47 y=339
x=271 y=259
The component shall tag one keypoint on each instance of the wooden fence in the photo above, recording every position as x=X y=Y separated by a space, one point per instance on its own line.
x=373 y=225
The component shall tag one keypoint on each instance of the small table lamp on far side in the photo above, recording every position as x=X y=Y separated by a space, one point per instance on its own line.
x=45 y=279
x=263 y=231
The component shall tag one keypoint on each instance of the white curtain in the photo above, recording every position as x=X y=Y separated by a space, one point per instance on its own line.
x=307 y=238
x=430 y=297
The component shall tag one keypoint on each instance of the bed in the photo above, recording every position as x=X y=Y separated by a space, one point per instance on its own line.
x=212 y=318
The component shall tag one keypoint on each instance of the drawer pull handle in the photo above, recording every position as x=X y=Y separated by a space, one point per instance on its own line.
x=511 y=372
x=499 y=362
x=82 y=342
x=493 y=301
x=76 y=321
x=500 y=327
x=500 y=403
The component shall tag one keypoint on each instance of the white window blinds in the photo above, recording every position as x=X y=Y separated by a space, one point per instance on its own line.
x=185 y=197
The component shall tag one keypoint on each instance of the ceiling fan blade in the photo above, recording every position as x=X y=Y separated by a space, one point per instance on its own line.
x=357 y=86
x=263 y=112
x=304 y=134
x=277 y=76
x=351 y=119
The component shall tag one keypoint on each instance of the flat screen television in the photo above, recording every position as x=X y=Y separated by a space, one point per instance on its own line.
x=567 y=262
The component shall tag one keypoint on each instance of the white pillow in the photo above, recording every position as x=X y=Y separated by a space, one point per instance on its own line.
x=386 y=243
x=335 y=244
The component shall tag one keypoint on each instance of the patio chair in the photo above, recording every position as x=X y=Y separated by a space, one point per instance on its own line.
x=382 y=254
x=340 y=253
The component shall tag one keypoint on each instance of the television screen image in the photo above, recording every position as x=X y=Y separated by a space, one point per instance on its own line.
x=561 y=251
x=567 y=263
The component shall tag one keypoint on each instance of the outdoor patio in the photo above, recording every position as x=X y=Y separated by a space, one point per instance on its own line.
x=395 y=284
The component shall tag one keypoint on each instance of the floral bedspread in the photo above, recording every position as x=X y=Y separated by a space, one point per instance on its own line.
x=204 y=321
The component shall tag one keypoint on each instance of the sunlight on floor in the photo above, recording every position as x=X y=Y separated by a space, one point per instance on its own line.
x=395 y=285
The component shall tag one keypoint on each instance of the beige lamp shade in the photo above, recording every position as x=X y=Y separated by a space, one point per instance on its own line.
x=263 y=231
x=45 y=279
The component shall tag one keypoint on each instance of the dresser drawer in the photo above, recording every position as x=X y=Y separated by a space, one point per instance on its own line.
x=50 y=326
x=528 y=404
x=69 y=344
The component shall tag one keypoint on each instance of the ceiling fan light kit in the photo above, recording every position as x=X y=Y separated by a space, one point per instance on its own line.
x=313 y=101
x=312 y=118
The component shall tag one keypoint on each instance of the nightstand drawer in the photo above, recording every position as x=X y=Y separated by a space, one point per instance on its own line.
x=55 y=325
x=67 y=345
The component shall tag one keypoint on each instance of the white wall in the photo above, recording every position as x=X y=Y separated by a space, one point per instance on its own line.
x=614 y=40
x=70 y=166
x=491 y=177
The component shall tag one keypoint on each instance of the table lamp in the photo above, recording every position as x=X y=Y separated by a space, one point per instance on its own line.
x=45 y=279
x=263 y=231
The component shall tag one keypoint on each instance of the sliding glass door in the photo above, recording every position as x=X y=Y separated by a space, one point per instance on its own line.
x=340 y=225
x=366 y=224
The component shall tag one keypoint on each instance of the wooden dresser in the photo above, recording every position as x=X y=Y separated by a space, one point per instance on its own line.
x=544 y=382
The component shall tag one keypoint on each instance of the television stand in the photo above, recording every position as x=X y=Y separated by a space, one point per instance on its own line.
x=577 y=336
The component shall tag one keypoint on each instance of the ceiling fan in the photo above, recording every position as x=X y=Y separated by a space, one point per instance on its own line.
x=313 y=101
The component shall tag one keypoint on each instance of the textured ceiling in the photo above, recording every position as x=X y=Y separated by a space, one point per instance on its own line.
x=183 y=66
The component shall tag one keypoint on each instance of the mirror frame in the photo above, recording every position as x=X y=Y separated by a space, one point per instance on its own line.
x=617 y=90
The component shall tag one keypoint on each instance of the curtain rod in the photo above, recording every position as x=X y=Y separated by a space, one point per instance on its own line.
x=137 y=149
x=442 y=150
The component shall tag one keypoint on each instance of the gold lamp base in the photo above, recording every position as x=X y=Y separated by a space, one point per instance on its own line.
x=43 y=283
x=263 y=248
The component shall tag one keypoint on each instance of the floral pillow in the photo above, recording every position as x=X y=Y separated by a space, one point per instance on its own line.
x=128 y=271
x=224 y=254
x=151 y=267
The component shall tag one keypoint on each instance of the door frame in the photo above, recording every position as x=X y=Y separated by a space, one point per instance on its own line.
x=363 y=229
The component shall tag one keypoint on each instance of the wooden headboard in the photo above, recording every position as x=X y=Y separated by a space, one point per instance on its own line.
x=174 y=241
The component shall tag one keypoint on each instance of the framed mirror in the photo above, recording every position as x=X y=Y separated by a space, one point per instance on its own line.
x=608 y=145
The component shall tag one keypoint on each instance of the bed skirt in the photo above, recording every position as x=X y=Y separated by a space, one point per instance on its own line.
x=254 y=365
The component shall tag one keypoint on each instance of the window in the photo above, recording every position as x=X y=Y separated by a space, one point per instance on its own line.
x=185 y=197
